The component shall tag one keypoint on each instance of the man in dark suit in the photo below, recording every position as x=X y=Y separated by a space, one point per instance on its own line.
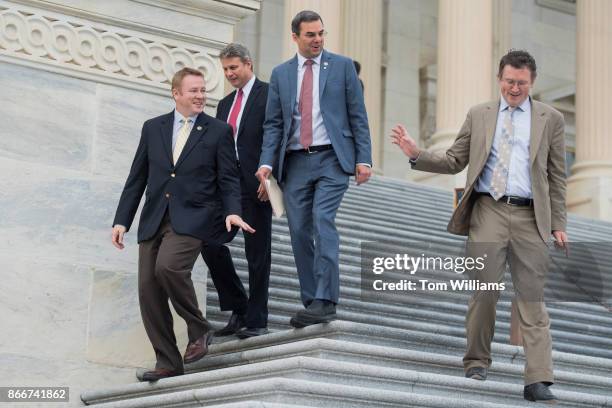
x=514 y=201
x=185 y=161
x=244 y=110
x=317 y=130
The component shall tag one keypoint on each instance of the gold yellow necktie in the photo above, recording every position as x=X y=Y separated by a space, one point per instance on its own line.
x=181 y=139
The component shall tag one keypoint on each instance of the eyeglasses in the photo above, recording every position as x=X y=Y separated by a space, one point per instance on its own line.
x=512 y=82
x=310 y=35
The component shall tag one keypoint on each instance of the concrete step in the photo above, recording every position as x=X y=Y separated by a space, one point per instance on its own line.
x=449 y=303
x=341 y=373
x=285 y=301
x=282 y=310
x=391 y=347
x=301 y=392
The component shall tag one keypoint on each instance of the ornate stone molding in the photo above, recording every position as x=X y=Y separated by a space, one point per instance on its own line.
x=101 y=52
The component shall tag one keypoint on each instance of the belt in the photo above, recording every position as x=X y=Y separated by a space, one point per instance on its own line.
x=511 y=200
x=313 y=149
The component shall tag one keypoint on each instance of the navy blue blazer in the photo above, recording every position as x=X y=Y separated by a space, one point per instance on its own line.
x=250 y=133
x=199 y=192
x=342 y=108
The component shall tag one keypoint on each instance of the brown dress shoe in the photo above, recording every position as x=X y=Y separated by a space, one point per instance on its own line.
x=158 y=374
x=197 y=349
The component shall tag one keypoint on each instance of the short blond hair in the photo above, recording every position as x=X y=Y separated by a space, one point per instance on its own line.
x=179 y=75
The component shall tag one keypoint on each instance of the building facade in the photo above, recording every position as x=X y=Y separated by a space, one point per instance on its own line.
x=79 y=77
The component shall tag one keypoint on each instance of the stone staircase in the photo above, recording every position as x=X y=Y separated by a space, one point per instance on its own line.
x=405 y=352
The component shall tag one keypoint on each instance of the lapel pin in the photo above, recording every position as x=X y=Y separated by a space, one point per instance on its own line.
x=199 y=127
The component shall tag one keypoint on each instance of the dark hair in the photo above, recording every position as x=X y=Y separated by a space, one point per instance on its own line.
x=304 y=16
x=178 y=77
x=357 y=66
x=518 y=59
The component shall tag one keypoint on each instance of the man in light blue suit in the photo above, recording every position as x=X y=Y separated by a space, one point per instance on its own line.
x=316 y=135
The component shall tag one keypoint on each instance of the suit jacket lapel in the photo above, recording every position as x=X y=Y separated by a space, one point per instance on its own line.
x=292 y=79
x=226 y=107
x=199 y=127
x=538 y=122
x=490 y=120
x=323 y=70
x=166 y=133
x=249 y=104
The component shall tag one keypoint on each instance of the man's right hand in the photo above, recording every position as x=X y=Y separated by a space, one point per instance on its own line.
x=400 y=137
x=263 y=173
x=117 y=236
x=262 y=194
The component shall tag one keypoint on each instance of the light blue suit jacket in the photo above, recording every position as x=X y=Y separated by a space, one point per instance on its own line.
x=342 y=108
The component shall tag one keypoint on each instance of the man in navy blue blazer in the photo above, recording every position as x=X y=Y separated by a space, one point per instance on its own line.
x=316 y=133
x=185 y=161
x=244 y=110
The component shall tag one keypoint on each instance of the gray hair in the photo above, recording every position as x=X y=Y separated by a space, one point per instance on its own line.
x=233 y=50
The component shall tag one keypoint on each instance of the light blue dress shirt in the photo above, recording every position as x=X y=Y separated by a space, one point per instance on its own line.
x=519 y=176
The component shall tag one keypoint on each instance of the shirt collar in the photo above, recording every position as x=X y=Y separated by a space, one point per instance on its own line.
x=302 y=59
x=246 y=89
x=524 y=107
x=178 y=118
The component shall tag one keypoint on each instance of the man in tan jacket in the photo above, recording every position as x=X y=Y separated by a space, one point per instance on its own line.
x=514 y=200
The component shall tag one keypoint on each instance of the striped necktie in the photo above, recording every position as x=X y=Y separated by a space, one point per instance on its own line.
x=502 y=167
x=181 y=140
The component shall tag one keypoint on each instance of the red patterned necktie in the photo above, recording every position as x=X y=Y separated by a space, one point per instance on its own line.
x=305 y=106
x=233 y=117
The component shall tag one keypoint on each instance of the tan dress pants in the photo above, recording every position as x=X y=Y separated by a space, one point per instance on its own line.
x=508 y=234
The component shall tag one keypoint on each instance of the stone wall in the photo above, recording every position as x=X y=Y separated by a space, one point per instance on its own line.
x=78 y=79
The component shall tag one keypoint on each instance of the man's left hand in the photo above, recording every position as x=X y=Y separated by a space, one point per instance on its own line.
x=238 y=222
x=362 y=173
x=561 y=241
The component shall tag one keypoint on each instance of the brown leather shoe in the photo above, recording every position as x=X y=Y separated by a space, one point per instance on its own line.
x=197 y=349
x=158 y=374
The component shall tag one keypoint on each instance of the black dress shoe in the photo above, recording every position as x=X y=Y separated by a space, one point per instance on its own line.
x=538 y=392
x=319 y=311
x=476 y=373
x=159 y=373
x=251 y=332
x=235 y=323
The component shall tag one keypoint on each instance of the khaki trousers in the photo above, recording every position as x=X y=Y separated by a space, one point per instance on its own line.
x=508 y=234
x=164 y=272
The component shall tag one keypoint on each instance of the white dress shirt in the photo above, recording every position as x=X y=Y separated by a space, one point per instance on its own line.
x=246 y=90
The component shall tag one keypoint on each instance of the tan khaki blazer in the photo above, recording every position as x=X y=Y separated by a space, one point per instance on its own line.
x=473 y=145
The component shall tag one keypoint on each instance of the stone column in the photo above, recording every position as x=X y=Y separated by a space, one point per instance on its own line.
x=331 y=13
x=502 y=37
x=363 y=42
x=464 y=73
x=589 y=190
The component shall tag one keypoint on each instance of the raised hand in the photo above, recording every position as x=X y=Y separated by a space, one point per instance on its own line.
x=401 y=137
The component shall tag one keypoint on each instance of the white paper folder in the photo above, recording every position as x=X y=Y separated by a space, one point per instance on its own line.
x=275 y=194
